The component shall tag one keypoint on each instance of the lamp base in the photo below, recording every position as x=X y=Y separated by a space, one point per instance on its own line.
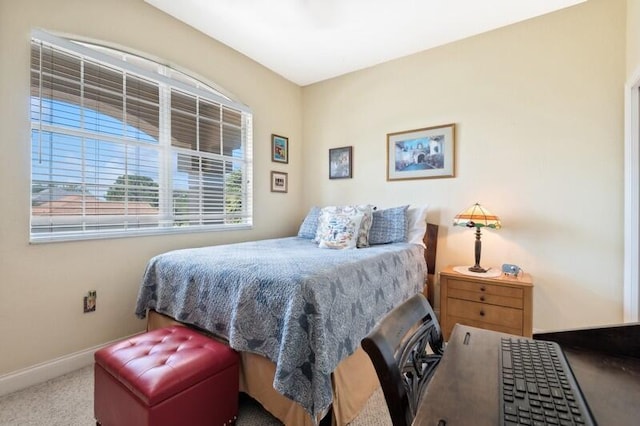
x=490 y=272
x=477 y=268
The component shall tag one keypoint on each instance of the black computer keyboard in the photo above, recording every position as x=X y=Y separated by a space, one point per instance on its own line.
x=538 y=387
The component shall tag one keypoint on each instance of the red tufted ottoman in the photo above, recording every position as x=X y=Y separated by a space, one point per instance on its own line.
x=169 y=376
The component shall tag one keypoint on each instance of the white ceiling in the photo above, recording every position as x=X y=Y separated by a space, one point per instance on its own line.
x=307 y=41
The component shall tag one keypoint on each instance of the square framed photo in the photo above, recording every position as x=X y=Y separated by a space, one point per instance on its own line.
x=279 y=149
x=340 y=163
x=279 y=182
x=421 y=153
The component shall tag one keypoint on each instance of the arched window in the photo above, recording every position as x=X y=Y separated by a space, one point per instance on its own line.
x=122 y=145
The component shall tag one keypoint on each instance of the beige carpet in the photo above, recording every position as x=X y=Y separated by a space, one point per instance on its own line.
x=68 y=401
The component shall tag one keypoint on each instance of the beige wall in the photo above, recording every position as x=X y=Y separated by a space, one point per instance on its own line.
x=633 y=37
x=538 y=108
x=41 y=286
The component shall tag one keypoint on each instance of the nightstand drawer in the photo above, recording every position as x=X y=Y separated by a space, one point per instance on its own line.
x=491 y=314
x=480 y=287
x=488 y=297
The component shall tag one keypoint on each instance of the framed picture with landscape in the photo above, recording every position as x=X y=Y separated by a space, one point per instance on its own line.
x=421 y=153
x=279 y=149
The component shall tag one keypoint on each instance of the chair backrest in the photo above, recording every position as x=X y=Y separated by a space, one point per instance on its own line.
x=397 y=347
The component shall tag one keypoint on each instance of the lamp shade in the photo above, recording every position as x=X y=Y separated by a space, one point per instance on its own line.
x=477 y=216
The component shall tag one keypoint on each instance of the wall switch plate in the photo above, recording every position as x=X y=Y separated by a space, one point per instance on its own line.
x=90 y=301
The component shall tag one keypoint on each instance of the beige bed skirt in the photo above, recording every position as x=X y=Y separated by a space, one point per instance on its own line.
x=354 y=381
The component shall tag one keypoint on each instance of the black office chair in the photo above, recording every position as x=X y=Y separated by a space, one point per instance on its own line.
x=397 y=347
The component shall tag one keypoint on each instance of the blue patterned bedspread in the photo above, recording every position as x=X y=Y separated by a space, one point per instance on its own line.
x=302 y=307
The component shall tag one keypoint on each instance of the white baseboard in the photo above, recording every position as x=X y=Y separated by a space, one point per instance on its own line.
x=48 y=370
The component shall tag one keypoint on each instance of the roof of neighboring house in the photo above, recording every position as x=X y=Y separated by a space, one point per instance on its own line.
x=75 y=204
x=55 y=194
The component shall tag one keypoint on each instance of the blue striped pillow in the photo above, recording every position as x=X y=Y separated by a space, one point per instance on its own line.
x=389 y=226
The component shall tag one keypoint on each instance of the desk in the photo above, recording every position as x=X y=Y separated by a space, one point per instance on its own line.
x=464 y=389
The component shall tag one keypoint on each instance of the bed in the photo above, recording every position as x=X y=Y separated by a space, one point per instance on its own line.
x=296 y=314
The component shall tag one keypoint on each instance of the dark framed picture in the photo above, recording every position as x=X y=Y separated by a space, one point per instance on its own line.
x=279 y=149
x=279 y=181
x=341 y=163
x=421 y=153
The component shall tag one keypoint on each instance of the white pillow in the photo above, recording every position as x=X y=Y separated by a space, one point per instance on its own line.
x=339 y=231
x=417 y=224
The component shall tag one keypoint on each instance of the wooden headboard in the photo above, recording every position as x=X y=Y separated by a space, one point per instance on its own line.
x=431 y=241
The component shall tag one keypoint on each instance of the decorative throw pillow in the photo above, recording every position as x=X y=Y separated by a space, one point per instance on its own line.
x=417 y=227
x=339 y=231
x=365 y=209
x=389 y=226
x=310 y=224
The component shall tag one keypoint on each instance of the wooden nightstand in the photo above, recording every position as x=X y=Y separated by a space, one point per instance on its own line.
x=501 y=304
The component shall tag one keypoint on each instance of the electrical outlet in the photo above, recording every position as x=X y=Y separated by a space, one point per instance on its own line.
x=90 y=301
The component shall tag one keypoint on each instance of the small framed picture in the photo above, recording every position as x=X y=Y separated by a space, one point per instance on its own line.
x=279 y=181
x=340 y=163
x=421 y=153
x=279 y=149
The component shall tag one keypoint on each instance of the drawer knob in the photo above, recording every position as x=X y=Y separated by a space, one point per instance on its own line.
x=482 y=298
x=481 y=313
x=483 y=288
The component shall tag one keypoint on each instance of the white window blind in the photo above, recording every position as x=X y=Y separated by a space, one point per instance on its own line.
x=125 y=146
